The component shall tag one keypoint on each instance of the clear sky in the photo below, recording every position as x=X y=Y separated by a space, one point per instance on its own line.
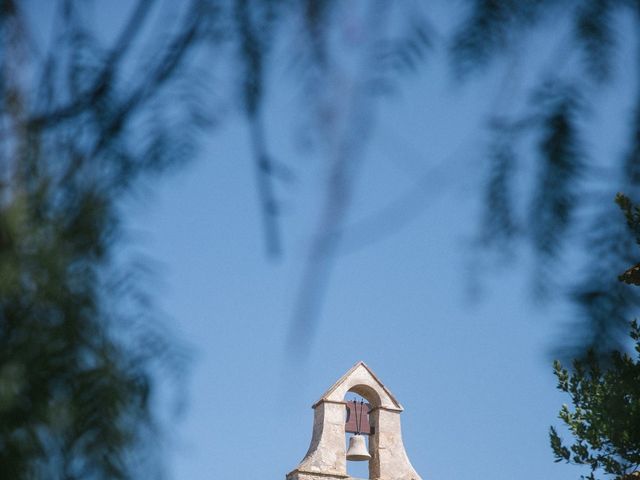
x=474 y=376
x=478 y=391
x=472 y=371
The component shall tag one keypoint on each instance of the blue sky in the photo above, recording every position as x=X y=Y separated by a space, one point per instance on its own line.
x=474 y=376
x=477 y=388
x=472 y=371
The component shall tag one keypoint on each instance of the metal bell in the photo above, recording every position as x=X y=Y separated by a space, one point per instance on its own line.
x=357 y=450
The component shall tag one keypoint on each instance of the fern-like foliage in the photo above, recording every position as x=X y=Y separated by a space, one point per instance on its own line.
x=557 y=187
x=562 y=104
x=604 y=414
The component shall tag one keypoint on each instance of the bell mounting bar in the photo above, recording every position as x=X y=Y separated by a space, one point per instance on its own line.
x=350 y=425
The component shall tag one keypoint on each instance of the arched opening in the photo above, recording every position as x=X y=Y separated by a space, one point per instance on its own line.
x=366 y=392
x=357 y=424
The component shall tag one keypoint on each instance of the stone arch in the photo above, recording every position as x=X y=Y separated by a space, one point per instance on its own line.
x=361 y=380
x=366 y=392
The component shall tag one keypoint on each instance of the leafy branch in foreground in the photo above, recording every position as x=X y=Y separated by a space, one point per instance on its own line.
x=605 y=415
x=632 y=214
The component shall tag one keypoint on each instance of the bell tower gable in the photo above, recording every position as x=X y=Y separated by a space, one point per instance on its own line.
x=361 y=380
x=326 y=458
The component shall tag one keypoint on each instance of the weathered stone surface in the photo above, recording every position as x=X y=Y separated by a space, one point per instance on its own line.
x=326 y=457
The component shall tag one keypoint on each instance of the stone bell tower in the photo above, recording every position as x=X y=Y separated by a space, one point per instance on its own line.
x=326 y=457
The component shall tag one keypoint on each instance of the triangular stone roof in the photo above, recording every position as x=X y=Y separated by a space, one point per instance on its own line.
x=361 y=379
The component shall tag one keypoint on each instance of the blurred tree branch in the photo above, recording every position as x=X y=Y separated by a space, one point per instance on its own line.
x=79 y=344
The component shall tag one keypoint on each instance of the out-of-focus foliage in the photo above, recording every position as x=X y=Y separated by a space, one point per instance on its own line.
x=604 y=415
x=560 y=163
x=80 y=123
x=563 y=214
x=543 y=181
